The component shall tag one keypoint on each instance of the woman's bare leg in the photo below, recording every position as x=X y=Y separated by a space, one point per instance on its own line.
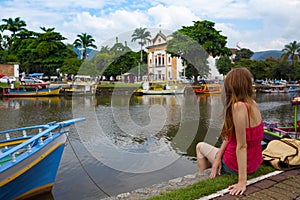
x=206 y=154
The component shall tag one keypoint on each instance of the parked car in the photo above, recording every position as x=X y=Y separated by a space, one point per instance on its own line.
x=27 y=79
x=184 y=79
x=5 y=79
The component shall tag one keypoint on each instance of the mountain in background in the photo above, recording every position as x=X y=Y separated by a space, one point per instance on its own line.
x=263 y=55
x=90 y=52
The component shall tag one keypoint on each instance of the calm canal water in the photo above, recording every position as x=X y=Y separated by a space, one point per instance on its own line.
x=129 y=142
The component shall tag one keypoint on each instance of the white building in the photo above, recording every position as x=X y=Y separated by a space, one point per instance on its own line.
x=162 y=66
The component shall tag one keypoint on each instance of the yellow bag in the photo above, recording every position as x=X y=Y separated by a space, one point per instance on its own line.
x=283 y=153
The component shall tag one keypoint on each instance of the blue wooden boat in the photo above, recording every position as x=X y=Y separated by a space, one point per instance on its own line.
x=280 y=130
x=29 y=158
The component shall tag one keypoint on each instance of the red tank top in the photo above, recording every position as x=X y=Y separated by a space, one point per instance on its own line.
x=254 y=136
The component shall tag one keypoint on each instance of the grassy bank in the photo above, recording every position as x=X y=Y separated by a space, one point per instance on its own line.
x=4 y=85
x=209 y=186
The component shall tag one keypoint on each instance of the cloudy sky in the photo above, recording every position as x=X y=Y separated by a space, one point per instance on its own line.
x=255 y=24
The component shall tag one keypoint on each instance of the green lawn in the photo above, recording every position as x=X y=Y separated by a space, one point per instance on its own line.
x=4 y=85
x=209 y=186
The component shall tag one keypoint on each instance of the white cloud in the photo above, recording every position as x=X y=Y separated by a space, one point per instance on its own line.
x=57 y=4
x=107 y=26
x=269 y=23
x=172 y=17
x=218 y=9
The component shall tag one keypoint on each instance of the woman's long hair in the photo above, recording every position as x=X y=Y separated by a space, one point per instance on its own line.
x=237 y=87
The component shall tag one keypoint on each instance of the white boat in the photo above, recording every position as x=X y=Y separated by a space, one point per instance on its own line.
x=275 y=89
x=82 y=85
x=160 y=88
x=294 y=88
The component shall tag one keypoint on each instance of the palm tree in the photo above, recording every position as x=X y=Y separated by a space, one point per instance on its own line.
x=291 y=51
x=142 y=35
x=83 y=41
x=104 y=49
x=49 y=42
x=47 y=30
x=13 y=25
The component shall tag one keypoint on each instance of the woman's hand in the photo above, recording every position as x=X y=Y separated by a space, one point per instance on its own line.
x=237 y=189
x=216 y=168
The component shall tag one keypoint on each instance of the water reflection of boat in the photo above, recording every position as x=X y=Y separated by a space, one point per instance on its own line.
x=55 y=99
x=29 y=158
x=32 y=90
x=18 y=102
x=160 y=88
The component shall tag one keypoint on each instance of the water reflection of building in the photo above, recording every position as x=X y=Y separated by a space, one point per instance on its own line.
x=161 y=99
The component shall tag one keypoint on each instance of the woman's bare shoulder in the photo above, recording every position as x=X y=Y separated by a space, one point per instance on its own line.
x=240 y=107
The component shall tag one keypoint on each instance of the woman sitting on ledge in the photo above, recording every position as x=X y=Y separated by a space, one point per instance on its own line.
x=242 y=133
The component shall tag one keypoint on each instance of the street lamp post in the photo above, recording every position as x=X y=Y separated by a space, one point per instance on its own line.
x=139 y=71
x=121 y=75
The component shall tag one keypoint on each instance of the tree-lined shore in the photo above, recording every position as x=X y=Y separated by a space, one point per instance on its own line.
x=46 y=52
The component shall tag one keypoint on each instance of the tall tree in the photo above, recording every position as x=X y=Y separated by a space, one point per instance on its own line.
x=50 y=51
x=224 y=64
x=13 y=25
x=143 y=36
x=291 y=51
x=207 y=37
x=243 y=53
x=191 y=52
x=84 y=41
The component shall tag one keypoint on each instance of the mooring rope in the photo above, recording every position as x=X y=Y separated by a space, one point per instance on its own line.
x=82 y=166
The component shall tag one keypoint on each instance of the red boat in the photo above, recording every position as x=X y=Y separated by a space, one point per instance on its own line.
x=208 y=89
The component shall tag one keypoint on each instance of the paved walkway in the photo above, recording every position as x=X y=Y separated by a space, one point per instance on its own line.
x=282 y=186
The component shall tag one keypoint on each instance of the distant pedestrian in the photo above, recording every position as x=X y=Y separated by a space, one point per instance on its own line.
x=8 y=81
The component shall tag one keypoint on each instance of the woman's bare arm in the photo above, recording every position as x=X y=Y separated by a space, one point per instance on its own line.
x=240 y=120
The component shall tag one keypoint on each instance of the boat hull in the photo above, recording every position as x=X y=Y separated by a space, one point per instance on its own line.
x=36 y=93
x=280 y=130
x=269 y=136
x=35 y=174
x=155 y=92
x=160 y=88
x=208 y=89
x=76 y=89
